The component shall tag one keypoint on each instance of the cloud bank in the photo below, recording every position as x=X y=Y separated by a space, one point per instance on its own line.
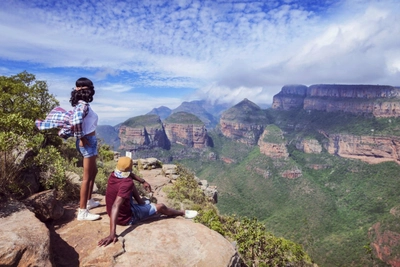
x=145 y=54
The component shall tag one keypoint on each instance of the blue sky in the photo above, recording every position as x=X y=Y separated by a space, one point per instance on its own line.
x=150 y=53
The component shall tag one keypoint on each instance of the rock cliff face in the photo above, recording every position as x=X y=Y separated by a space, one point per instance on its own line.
x=378 y=100
x=291 y=96
x=142 y=132
x=371 y=149
x=243 y=122
x=147 y=131
x=272 y=143
x=309 y=146
x=186 y=129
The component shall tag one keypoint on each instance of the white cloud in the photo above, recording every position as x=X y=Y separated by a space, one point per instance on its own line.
x=228 y=50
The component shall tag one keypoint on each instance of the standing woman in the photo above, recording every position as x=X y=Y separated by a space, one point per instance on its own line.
x=83 y=124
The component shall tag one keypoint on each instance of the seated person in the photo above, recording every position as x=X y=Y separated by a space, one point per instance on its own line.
x=121 y=208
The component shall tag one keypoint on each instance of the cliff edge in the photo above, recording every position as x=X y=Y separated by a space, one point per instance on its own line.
x=379 y=100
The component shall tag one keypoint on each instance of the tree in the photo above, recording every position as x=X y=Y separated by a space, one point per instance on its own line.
x=23 y=94
x=23 y=99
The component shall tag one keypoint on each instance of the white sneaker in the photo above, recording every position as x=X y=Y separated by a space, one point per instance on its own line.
x=85 y=215
x=190 y=214
x=92 y=204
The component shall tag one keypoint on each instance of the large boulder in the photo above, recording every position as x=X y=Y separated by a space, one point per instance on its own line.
x=176 y=242
x=45 y=205
x=25 y=241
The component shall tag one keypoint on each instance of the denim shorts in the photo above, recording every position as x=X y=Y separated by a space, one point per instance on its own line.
x=141 y=212
x=91 y=149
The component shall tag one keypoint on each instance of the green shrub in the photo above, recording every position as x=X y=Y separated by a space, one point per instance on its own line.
x=50 y=160
x=186 y=188
x=256 y=246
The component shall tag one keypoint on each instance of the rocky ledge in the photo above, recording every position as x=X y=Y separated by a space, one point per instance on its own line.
x=160 y=241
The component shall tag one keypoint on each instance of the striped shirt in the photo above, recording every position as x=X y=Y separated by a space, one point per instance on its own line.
x=70 y=122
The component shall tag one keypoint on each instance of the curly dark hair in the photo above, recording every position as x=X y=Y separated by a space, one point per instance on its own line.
x=83 y=94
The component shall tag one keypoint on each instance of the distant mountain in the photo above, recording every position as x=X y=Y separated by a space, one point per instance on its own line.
x=109 y=134
x=207 y=112
x=143 y=132
x=243 y=122
x=245 y=112
x=183 y=118
x=163 y=112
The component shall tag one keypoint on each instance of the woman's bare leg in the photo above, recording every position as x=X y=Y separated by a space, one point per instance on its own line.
x=88 y=165
x=92 y=177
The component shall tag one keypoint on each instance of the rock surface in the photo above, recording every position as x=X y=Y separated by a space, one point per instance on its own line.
x=160 y=241
x=45 y=205
x=25 y=241
x=175 y=242
x=309 y=146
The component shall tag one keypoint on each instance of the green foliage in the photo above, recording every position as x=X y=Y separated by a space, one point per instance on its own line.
x=150 y=120
x=22 y=94
x=246 y=112
x=22 y=100
x=186 y=188
x=140 y=165
x=256 y=246
x=183 y=118
x=274 y=135
x=303 y=123
x=104 y=171
x=68 y=150
x=50 y=161
x=104 y=151
x=10 y=184
x=325 y=209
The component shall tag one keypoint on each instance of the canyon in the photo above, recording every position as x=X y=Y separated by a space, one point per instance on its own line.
x=278 y=130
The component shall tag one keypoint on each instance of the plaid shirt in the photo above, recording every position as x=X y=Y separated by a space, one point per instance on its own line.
x=70 y=122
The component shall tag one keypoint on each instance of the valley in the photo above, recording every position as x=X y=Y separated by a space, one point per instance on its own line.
x=323 y=177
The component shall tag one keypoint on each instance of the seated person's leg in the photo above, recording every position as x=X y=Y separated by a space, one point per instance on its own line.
x=162 y=209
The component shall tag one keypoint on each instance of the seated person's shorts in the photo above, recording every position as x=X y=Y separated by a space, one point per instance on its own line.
x=141 y=212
